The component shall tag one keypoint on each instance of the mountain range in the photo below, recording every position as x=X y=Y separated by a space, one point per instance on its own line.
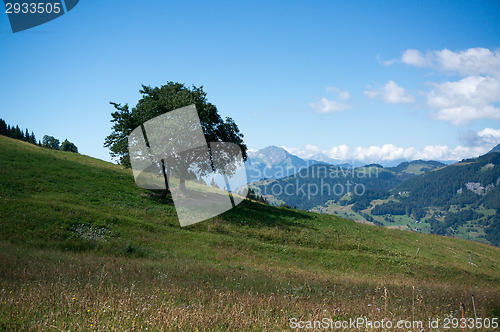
x=275 y=162
x=461 y=199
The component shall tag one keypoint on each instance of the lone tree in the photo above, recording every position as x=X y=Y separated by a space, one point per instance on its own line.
x=160 y=100
x=68 y=146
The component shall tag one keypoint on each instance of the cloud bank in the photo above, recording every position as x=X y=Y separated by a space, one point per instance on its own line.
x=473 y=96
x=474 y=145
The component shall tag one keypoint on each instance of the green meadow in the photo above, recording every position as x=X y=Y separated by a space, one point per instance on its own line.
x=83 y=248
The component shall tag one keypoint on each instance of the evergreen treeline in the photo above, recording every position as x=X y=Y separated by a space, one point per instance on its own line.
x=446 y=186
x=48 y=141
x=394 y=208
x=255 y=197
x=493 y=230
x=16 y=132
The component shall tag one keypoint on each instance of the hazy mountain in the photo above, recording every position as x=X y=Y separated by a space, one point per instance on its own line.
x=321 y=157
x=274 y=162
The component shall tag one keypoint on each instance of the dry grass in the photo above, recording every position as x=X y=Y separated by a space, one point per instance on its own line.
x=43 y=290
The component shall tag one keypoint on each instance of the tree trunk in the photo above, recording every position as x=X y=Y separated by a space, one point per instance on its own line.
x=165 y=192
x=182 y=185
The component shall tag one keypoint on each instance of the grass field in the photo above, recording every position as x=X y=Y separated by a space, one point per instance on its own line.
x=83 y=248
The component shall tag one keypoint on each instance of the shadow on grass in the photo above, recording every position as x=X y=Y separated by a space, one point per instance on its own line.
x=262 y=215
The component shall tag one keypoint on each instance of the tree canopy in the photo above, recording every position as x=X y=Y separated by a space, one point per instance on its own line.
x=50 y=142
x=68 y=146
x=160 y=100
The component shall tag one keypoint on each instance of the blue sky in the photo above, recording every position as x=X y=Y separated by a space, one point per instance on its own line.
x=365 y=80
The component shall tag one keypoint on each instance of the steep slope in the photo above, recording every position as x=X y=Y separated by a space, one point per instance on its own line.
x=461 y=200
x=495 y=149
x=471 y=181
x=82 y=247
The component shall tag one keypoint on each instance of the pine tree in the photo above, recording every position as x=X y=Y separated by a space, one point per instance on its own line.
x=3 y=127
x=18 y=134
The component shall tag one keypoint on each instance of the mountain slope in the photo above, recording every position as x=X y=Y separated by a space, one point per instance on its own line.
x=82 y=247
x=495 y=149
x=461 y=200
x=318 y=184
x=417 y=167
x=273 y=162
x=455 y=184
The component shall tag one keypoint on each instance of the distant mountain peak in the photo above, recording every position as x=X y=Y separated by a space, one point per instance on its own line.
x=323 y=158
x=271 y=155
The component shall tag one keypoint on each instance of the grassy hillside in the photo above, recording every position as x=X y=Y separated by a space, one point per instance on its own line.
x=83 y=248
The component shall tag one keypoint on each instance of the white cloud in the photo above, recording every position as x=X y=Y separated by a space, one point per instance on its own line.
x=464 y=101
x=474 y=96
x=389 y=62
x=414 y=57
x=487 y=137
x=325 y=105
x=390 y=152
x=306 y=152
x=339 y=152
x=391 y=93
x=384 y=152
x=343 y=95
x=472 y=61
